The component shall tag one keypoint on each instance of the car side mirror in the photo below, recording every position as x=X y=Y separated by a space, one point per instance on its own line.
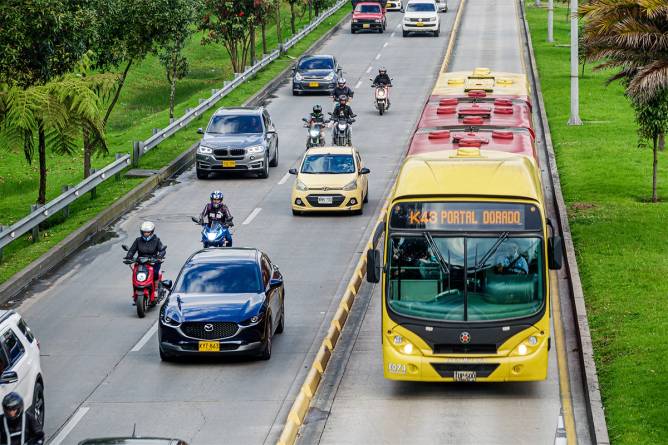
x=8 y=377
x=364 y=171
x=554 y=252
x=124 y=247
x=167 y=283
x=292 y=171
x=200 y=131
x=275 y=282
x=373 y=266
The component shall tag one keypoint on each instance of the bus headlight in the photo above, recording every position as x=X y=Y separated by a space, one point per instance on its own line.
x=408 y=348
x=522 y=349
x=404 y=346
x=527 y=346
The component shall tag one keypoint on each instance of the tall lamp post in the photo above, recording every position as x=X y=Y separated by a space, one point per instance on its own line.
x=550 y=21
x=575 y=100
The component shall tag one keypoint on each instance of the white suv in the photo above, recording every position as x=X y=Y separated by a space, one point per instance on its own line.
x=20 y=367
x=421 y=16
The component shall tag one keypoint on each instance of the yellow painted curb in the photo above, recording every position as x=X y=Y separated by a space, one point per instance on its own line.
x=299 y=409
x=332 y=337
x=311 y=384
x=289 y=434
x=340 y=318
x=321 y=359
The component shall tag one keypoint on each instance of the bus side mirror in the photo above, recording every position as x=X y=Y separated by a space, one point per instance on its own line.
x=373 y=266
x=554 y=252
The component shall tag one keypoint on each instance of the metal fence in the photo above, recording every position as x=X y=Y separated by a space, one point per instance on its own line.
x=38 y=215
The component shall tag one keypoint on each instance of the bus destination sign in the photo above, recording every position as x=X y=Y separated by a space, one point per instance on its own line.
x=463 y=216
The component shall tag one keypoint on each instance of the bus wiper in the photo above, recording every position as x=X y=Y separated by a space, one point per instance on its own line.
x=490 y=252
x=437 y=252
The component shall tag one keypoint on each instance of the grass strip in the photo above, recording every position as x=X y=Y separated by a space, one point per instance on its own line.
x=18 y=183
x=619 y=237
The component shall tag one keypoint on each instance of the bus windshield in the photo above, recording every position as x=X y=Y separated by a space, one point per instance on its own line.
x=463 y=278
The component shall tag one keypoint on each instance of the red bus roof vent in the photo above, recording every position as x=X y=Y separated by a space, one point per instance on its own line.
x=441 y=134
x=448 y=102
x=503 y=110
x=503 y=102
x=502 y=134
x=477 y=93
x=446 y=110
x=468 y=141
x=473 y=120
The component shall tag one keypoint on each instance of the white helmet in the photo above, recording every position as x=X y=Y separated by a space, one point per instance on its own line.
x=147 y=226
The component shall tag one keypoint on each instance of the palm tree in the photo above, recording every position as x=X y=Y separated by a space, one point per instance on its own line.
x=631 y=36
x=53 y=114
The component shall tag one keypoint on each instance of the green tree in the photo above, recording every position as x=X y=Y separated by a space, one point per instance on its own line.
x=652 y=119
x=180 y=19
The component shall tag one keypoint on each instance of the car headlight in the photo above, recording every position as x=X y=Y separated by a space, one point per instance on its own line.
x=377 y=20
x=172 y=317
x=255 y=149
x=204 y=150
x=330 y=76
x=301 y=186
x=432 y=19
x=355 y=20
x=255 y=319
x=352 y=185
x=527 y=346
x=298 y=76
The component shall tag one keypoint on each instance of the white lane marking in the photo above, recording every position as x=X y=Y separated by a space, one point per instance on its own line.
x=252 y=216
x=368 y=70
x=357 y=85
x=398 y=25
x=385 y=44
x=377 y=56
x=560 y=437
x=69 y=426
x=284 y=179
x=394 y=33
x=140 y=344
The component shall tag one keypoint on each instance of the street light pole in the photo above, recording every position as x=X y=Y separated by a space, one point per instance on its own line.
x=550 y=21
x=575 y=104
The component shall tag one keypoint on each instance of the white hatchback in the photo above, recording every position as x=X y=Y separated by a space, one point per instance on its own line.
x=421 y=16
x=20 y=366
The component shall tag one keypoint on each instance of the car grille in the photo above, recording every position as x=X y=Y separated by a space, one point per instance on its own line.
x=229 y=153
x=419 y=20
x=337 y=200
x=448 y=369
x=209 y=330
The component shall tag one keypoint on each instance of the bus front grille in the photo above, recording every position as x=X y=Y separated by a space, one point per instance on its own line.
x=446 y=370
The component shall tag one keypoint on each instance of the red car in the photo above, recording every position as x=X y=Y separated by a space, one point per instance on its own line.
x=368 y=16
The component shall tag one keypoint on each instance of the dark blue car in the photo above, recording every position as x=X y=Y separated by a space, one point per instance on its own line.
x=224 y=301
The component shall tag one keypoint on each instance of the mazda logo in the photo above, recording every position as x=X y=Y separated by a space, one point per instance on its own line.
x=208 y=327
x=465 y=337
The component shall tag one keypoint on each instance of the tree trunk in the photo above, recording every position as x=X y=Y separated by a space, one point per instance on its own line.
x=654 y=169
x=292 y=18
x=121 y=81
x=310 y=13
x=279 y=34
x=662 y=141
x=263 y=29
x=252 y=44
x=172 y=95
x=88 y=152
x=41 y=149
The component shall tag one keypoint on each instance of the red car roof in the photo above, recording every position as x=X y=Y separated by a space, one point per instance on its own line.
x=476 y=115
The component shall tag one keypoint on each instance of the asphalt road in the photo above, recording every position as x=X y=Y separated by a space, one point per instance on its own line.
x=360 y=406
x=102 y=371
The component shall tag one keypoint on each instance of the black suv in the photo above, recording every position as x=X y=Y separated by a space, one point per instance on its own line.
x=238 y=139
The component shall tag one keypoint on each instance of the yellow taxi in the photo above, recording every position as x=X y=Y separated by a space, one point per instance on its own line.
x=330 y=179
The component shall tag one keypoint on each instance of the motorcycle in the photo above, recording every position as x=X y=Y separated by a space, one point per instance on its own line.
x=144 y=293
x=342 y=134
x=315 y=133
x=216 y=235
x=381 y=97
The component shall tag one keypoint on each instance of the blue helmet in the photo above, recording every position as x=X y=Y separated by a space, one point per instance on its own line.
x=216 y=198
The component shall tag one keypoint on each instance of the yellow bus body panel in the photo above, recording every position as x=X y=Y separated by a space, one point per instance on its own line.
x=459 y=83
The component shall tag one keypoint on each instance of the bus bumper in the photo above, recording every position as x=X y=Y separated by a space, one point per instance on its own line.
x=414 y=367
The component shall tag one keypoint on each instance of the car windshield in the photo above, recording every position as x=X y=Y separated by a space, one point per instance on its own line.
x=421 y=7
x=219 y=278
x=328 y=163
x=368 y=9
x=466 y=278
x=235 y=124
x=316 y=63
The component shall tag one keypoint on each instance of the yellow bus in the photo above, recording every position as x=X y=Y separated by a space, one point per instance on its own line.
x=465 y=282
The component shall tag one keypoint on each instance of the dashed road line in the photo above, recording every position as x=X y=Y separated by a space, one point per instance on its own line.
x=385 y=44
x=394 y=33
x=69 y=426
x=357 y=85
x=284 y=179
x=140 y=344
x=252 y=216
x=368 y=70
x=377 y=56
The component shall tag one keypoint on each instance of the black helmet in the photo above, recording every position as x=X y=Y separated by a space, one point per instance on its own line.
x=343 y=98
x=216 y=199
x=317 y=109
x=12 y=403
x=382 y=70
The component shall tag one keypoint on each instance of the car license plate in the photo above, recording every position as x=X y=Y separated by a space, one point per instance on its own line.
x=325 y=200
x=465 y=376
x=418 y=24
x=313 y=84
x=209 y=346
x=229 y=163
x=365 y=25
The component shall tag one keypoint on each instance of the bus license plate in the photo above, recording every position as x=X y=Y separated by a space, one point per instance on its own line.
x=313 y=84
x=465 y=376
x=209 y=346
x=325 y=200
x=231 y=164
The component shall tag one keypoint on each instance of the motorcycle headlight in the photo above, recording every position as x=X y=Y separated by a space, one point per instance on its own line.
x=141 y=276
x=172 y=317
x=352 y=185
x=314 y=132
x=204 y=150
x=381 y=93
x=342 y=127
x=330 y=76
x=301 y=186
x=255 y=149
x=298 y=76
x=211 y=236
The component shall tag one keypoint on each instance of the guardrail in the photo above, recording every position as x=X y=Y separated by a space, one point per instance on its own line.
x=40 y=214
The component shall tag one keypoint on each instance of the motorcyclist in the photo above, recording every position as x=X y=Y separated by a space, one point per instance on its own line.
x=216 y=211
x=343 y=110
x=148 y=245
x=316 y=116
x=383 y=80
x=342 y=89
x=19 y=426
